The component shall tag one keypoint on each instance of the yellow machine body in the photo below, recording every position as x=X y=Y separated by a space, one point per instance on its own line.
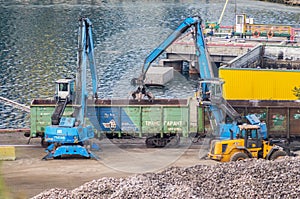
x=248 y=146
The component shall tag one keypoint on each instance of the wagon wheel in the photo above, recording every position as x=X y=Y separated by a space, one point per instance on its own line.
x=173 y=141
x=150 y=142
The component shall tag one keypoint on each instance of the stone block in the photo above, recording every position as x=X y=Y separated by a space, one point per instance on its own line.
x=159 y=75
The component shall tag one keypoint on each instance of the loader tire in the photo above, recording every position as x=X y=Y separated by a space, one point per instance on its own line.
x=278 y=154
x=238 y=156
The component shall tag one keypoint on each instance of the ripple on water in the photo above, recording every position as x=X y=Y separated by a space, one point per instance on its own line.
x=34 y=53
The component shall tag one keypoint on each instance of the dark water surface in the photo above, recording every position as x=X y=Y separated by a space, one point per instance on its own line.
x=38 y=43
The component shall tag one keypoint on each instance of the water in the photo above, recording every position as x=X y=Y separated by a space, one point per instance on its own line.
x=38 y=42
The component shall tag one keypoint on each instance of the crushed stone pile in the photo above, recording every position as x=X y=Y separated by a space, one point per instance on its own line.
x=250 y=178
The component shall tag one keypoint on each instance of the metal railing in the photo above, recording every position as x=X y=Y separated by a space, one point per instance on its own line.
x=15 y=104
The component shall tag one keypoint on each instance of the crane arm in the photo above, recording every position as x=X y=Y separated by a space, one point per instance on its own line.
x=90 y=52
x=85 y=49
x=205 y=66
x=218 y=105
x=183 y=27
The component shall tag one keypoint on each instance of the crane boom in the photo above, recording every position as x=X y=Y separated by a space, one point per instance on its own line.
x=182 y=28
x=85 y=49
x=205 y=66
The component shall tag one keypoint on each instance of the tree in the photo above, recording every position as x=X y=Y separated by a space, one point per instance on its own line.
x=296 y=92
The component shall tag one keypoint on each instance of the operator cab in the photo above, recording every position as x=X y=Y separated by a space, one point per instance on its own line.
x=65 y=89
x=211 y=90
x=251 y=134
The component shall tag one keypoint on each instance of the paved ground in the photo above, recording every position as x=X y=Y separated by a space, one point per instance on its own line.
x=30 y=175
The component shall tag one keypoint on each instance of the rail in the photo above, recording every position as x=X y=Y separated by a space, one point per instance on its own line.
x=15 y=104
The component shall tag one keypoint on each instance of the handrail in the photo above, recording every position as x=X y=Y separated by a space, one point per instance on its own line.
x=16 y=104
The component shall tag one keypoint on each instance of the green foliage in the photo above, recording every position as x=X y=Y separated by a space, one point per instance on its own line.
x=296 y=92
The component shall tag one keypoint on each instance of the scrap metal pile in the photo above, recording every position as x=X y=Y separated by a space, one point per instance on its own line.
x=250 y=178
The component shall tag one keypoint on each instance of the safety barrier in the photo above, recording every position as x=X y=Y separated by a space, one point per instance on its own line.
x=269 y=30
x=7 y=153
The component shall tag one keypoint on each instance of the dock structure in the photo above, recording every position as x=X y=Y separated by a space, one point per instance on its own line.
x=226 y=43
x=264 y=68
x=221 y=50
x=285 y=57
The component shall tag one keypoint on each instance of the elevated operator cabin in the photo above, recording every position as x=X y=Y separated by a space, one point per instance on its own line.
x=65 y=89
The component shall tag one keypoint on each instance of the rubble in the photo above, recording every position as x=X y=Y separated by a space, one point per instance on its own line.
x=250 y=178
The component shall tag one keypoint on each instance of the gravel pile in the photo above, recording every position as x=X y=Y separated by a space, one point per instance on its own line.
x=250 y=178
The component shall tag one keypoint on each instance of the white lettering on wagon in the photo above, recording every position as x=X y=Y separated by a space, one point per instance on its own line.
x=109 y=114
x=129 y=127
x=173 y=123
x=178 y=129
x=152 y=123
x=174 y=126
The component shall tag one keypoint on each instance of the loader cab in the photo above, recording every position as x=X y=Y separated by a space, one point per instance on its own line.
x=251 y=135
x=65 y=89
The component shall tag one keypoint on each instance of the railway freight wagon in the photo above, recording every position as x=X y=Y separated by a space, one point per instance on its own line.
x=164 y=119
x=162 y=122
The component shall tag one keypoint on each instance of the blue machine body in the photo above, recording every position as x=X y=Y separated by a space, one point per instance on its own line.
x=65 y=134
x=205 y=67
x=70 y=135
x=253 y=119
x=70 y=139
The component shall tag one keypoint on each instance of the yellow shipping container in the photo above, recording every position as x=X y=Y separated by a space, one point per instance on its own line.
x=259 y=84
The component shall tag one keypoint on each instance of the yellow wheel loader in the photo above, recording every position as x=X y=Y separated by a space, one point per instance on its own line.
x=247 y=144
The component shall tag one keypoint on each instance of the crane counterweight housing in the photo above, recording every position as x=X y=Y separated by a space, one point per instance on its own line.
x=68 y=135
